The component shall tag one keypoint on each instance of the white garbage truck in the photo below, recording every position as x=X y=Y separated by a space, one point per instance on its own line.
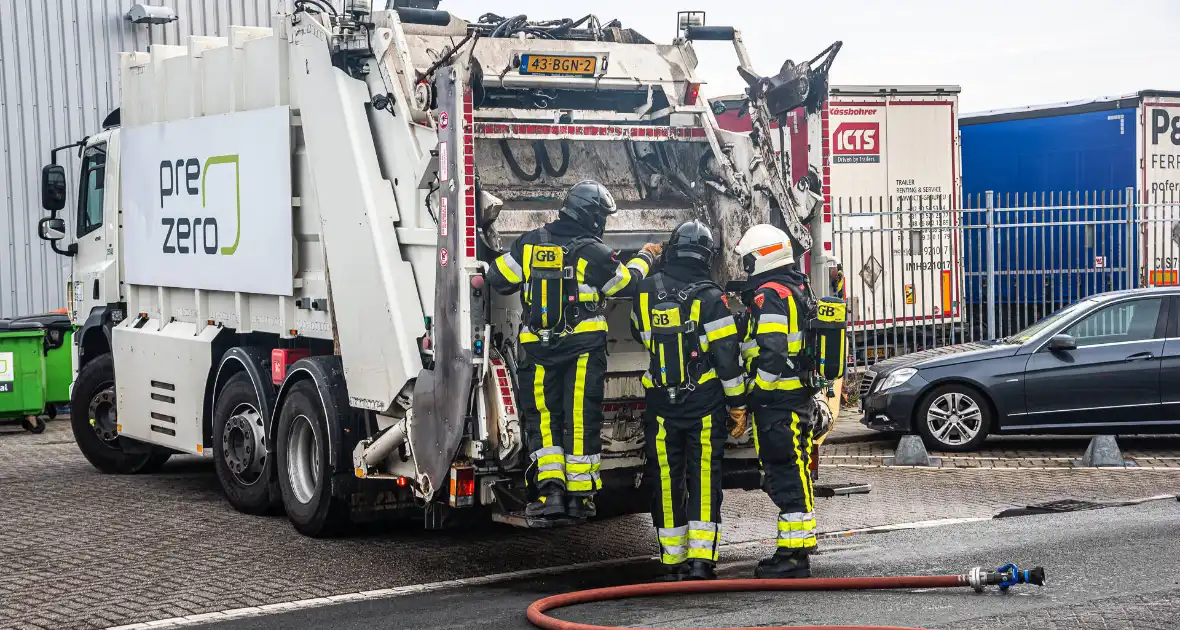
x=279 y=253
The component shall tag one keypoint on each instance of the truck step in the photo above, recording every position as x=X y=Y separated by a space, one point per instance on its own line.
x=518 y=519
x=828 y=490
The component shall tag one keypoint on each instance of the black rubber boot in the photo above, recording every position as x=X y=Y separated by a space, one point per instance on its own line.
x=700 y=570
x=675 y=572
x=784 y=564
x=550 y=504
x=580 y=506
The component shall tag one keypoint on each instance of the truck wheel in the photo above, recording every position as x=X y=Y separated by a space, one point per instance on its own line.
x=304 y=474
x=240 y=448
x=954 y=418
x=94 y=420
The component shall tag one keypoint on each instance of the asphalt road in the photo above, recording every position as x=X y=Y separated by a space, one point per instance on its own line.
x=1109 y=568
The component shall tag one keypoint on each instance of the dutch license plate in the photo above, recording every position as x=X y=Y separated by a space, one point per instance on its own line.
x=572 y=65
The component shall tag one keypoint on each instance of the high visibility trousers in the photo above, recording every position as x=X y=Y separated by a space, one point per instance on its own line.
x=561 y=410
x=684 y=457
x=783 y=441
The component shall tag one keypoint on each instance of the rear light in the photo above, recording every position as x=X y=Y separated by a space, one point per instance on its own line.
x=691 y=93
x=462 y=486
x=281 y=359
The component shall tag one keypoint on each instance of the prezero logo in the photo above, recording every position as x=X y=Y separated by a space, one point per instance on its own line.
x=856 y=143
x=188 y=234
x=7 y=372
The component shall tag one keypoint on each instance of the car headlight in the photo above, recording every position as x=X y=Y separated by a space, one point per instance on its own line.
x=897 y=377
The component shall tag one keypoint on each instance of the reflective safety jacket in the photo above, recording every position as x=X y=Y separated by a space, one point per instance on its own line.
x=709 y=360
x=577 y=324
x=773 y=346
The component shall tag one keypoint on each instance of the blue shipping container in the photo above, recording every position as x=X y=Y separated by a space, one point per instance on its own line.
x=1062 y=157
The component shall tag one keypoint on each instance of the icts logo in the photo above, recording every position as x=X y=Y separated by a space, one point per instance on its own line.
x=857 y=143
x=194 y=233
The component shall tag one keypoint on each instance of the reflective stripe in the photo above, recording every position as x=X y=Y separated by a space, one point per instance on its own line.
x=735 y=386
x=672 y=544
x=587 y=293
x=707 y=376
x=579 y=404
x=796 y=521
x=706 y=489
x=797 y=543
x=510 y=268
x=779 y=384
x=794 y=338
x=593 y=324
x=581 y=471
x=770 y=329
x=721 y=328
x=639 y=264
x=665 y=472
x=771 y=318
x=617 y=282
x=549 y=458
x=646 y=380
x=804 y=474
x=548 y=448
x=767 y=377
x=703 y=539
x=750 y=350
x=673 y=559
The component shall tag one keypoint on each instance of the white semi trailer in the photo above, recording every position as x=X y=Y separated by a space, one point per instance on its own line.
x=281 y=239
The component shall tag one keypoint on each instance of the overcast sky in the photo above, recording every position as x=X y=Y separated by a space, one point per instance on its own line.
x=1003 y=53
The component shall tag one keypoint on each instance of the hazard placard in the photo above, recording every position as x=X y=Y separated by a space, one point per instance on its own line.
x=909 y=294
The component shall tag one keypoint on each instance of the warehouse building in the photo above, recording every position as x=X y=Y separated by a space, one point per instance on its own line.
x=59 y=77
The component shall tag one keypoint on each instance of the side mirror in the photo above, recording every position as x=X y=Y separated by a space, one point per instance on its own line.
x=51 y=229
x=53 y=187
x=1062 y=343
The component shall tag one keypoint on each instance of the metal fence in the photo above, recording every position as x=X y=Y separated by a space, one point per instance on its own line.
x=927 y=271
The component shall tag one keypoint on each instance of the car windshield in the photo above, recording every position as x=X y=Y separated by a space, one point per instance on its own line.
x=1032 y=331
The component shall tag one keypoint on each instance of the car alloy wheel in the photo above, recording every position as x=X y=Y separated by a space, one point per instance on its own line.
x=954 y=419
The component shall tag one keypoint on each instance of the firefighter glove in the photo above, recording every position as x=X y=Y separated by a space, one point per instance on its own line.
x=738 y=418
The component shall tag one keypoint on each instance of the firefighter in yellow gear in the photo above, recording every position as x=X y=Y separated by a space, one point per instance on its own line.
x=565 y=273
x=694 y=377
x=779 y=392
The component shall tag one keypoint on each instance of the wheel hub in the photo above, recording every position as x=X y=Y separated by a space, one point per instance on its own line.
x=243 y=444
x=103 y=416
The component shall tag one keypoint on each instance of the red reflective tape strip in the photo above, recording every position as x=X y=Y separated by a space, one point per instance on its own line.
x=469 y=173
x=495 y=130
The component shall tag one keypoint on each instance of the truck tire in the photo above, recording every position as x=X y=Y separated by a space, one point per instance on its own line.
x=954 y=418
x=302 y=464
x=241 y=452
x=93 y=418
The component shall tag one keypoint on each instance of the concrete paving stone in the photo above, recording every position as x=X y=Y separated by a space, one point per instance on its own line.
x=101 y=550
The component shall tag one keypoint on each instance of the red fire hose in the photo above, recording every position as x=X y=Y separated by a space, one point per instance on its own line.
x=976 y=578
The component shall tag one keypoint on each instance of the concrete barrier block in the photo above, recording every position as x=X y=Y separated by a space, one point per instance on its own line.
x=1103 y=451
x=910 y=452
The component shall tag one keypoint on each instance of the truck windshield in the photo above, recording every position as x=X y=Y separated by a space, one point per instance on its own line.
x=1032 y=331
x=94 y=161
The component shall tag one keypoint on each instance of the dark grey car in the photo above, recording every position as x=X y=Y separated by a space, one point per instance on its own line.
x=1107 y=364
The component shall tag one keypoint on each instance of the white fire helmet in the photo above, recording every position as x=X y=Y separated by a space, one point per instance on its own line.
x=764 y=247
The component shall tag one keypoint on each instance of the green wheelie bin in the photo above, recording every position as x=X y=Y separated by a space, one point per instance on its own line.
x=36 y=368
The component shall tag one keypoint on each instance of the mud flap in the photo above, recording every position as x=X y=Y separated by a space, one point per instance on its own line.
x=441 y=394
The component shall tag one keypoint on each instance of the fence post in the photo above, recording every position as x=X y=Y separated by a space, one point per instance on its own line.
x=1130 y=251
x=991 y=265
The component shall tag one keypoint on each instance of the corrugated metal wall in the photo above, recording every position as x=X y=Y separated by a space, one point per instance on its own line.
x=59 y=77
